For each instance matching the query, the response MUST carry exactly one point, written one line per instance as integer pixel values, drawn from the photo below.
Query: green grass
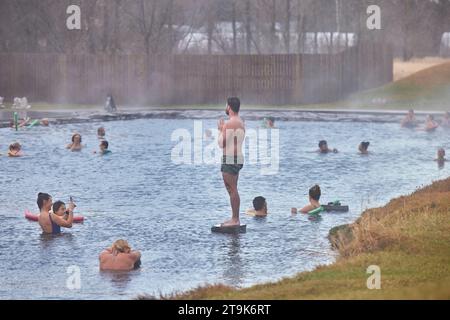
(409, 239)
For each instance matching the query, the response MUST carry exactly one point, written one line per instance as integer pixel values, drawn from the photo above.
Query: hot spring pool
(166, 210)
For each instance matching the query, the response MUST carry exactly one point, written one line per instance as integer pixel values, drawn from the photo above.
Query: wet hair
(315, 192)
(76, 134)
(258, 203)
(431, 117)
(105, 144)
(15, 146)
(121, 246)
(365, 145)
(322, 143)
(234, 103)
(57, 205)
(41, 198)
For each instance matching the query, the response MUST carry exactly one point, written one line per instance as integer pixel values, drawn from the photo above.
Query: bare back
(234, 138)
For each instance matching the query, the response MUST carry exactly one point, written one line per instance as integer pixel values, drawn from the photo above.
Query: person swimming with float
(119, 257)
(314, 197)
(104, 145)
(409, 121)
(15, 150)
(76, 143)
(363, 147)
(259, 208)
(323, 148)
(51, 222)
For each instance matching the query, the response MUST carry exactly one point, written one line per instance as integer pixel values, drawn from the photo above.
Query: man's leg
(231, 182)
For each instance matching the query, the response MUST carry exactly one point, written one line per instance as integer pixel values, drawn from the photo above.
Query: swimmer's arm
(307, 208)
(62, 222)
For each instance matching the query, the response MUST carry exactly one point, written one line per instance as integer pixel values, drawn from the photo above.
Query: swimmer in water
(409, 121)
(104, 145)
(430, 124)
(314, 197)
(101, 133)
(51, 223)
(15, 150)
(269, 123)
(259, 208)
(76, 143)
(44, 122)
(441, 160)
(119, 257)
(323, 148)
(446, 121)
(363, 147)
(208, 135)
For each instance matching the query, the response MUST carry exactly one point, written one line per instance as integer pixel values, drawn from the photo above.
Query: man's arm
(62, 222)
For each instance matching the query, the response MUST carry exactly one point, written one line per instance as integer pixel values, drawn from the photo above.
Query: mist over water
(166, 210)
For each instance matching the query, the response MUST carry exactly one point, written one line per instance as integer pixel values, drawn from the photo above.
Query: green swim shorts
(232, 165)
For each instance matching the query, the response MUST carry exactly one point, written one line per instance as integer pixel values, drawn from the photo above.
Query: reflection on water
(166, 210)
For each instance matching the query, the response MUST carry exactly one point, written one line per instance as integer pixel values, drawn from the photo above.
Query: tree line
(414, 28)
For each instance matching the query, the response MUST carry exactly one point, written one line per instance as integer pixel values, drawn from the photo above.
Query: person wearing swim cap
(231, 139)
(119, 257)
(259, 208)
(314, 197)
(363, 147)
(323, 147)
(51, 222)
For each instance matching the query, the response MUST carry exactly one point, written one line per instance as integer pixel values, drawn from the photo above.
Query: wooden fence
(194, 79)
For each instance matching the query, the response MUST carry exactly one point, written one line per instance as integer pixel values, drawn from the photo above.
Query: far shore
(63, 114)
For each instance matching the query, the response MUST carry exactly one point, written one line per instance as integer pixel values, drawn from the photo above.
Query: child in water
(314, 197)
(104, 145)
(15, 150)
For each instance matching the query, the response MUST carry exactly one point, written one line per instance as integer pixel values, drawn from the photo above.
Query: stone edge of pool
(324, 115)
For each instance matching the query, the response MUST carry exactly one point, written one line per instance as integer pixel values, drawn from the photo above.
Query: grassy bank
(409, 239)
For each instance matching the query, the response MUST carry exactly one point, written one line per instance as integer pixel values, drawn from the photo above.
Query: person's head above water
(323, 145)
(363, 146)
(430, 117)
(411, 112)
(315, 193)
(44, 201)
(101, 132)
(59, 208)
(121, 246)
(15, 146)
(260, 204)
(233, 105)
(104, 145)
(76, 138)
(441, 153)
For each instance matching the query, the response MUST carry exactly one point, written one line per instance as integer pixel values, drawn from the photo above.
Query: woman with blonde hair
(120, 257)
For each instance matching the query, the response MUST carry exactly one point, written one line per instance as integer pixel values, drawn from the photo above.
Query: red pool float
(35, 217)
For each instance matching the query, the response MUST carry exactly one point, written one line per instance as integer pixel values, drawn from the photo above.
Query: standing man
(231, 139)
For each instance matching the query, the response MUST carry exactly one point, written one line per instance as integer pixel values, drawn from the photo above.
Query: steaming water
(166, 210)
